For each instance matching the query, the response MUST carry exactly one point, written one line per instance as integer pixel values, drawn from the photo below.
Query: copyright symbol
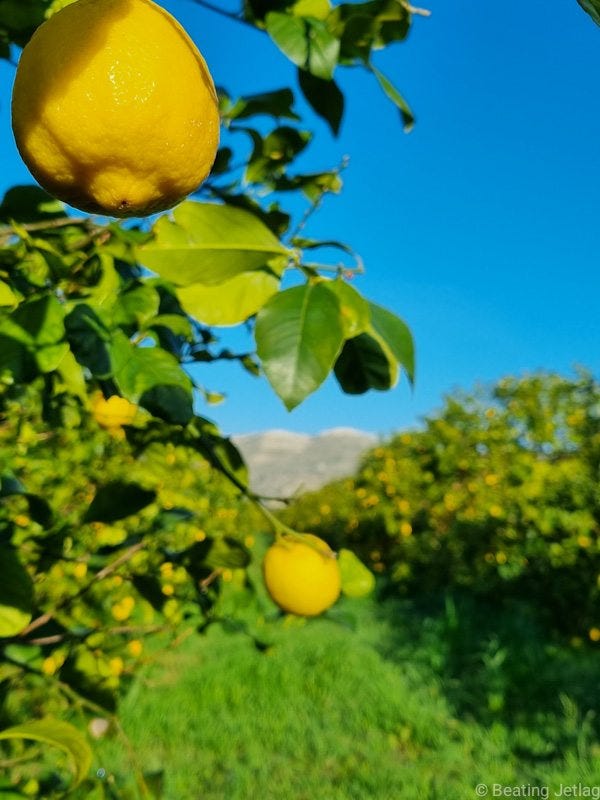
(481, 790)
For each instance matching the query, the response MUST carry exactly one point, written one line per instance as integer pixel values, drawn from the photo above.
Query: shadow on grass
(497, 663)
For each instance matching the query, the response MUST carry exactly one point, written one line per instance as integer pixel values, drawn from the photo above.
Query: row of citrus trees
(108, 536)
(498, 493)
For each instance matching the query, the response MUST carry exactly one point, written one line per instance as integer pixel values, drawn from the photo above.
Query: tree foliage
(109, 534)
(497, 494)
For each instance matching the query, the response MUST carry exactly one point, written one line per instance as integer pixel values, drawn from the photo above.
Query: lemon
(302, 579)
(114, 110)
(114, 412)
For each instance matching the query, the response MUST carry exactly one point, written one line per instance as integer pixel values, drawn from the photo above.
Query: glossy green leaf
(171, 403)
(306, 41)
(117, 500)
(138, 369)
(209, 243)
(593, 9)
(42, 320)
(271, 154)
(16, 593)
(178, 324)
(366, 362)
(231, 302)
(357, 580)
(276, 104)
(299, 334)
(28, 203)
(355, 313)
(396, 98)
(319, 9)
(89, 338)
(136, 307)
(56, 733)
(325, 98)
(397, 336)
(7, 296)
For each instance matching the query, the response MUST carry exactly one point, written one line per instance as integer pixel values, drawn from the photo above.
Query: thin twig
(103, 573)
(57, 222)
(419, 12)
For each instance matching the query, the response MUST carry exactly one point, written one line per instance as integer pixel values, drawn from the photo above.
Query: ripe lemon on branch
(114, 412)
(114, 110)
(302, 574)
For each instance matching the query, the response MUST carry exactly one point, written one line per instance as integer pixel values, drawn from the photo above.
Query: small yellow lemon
(114, 110)
(114, 412)
(302, 579)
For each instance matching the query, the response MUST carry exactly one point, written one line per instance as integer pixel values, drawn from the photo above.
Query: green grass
(407, 702)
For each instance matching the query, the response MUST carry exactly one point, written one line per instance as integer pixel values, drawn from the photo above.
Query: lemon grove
(124, 511)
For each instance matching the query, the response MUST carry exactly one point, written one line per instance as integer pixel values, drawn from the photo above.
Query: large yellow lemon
(301, 579)
(114, 109)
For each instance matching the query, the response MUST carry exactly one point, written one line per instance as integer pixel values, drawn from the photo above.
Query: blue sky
(480, 228)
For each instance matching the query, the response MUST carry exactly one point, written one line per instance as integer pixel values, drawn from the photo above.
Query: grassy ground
(379, 701)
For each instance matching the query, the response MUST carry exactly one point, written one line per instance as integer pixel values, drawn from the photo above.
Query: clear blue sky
(480, 228)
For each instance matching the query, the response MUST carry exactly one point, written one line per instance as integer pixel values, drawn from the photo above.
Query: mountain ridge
(286, 463)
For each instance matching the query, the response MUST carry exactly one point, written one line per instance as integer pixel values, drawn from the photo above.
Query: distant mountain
(283, 463)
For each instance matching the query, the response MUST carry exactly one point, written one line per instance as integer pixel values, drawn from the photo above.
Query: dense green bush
(498, 492)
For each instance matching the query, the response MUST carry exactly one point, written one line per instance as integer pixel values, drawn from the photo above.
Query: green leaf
(357, 580)
(178, 324)
(42, 319)
(209, 243)
(231, 302)
(397, 336)
(325, 98)
(355, 313)
(42, 328)
(593, 9)
(171, 403)
(136, 370)
(71, 375)
(28, 203)
(136, 307)
(116, 500)
(312, 8)
(396, 98)
(89, 338)
(366, 362)
(16, 593)
(299, 334)
(7, 296)
(306, 41)
(276, 104)
(274, 152)
(59, 734)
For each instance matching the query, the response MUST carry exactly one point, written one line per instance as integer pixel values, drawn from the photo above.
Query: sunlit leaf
(209, 243)
(299, 334)
(57, 733)
(306, 41)
(230, 302)
(397, 336)
(16, 593)
(396, 98)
